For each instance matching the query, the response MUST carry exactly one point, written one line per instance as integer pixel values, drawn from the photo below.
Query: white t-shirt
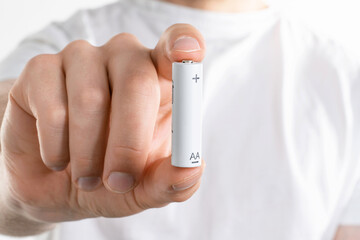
(281, 124)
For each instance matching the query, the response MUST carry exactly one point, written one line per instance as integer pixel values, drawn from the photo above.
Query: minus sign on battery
(195, 162)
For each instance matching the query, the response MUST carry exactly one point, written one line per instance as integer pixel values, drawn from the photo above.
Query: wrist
(13, 219)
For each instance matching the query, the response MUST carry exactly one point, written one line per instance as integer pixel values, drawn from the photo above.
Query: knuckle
(93, 99)
(79, 45)
(42, 61)
(121, 41)
(127, 36)
(143, 84)
(123, 37)
(79, 48)
(56, 117)
(127, 152)
(129, 158)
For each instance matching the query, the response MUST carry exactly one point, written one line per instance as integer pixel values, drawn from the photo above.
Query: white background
(19, 18)
(339, 19)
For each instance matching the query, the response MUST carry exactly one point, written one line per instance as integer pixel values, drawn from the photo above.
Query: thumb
(164, 183)
(179, 42)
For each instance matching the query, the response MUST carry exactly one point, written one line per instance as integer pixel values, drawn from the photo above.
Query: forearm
(11, 220)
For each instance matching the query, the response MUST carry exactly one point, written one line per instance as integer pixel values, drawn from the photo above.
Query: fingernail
(187, 183)
(88, 183)
(186, 44)
(120, 182)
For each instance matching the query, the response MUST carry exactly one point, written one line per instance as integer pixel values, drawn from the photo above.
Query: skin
(223, 5)
(110, 117)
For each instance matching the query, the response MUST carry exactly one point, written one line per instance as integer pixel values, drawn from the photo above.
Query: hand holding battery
(87, 131)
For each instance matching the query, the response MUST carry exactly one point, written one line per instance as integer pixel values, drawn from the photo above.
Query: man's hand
(86, 132)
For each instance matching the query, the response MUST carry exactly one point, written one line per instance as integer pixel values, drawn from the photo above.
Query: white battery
(187, 81)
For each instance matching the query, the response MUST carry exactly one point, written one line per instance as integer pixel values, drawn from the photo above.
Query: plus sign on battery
(196, 78)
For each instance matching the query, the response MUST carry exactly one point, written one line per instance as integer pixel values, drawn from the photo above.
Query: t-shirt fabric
(281, 129)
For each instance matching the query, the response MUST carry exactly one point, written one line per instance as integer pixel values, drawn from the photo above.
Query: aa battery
(187, 81)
